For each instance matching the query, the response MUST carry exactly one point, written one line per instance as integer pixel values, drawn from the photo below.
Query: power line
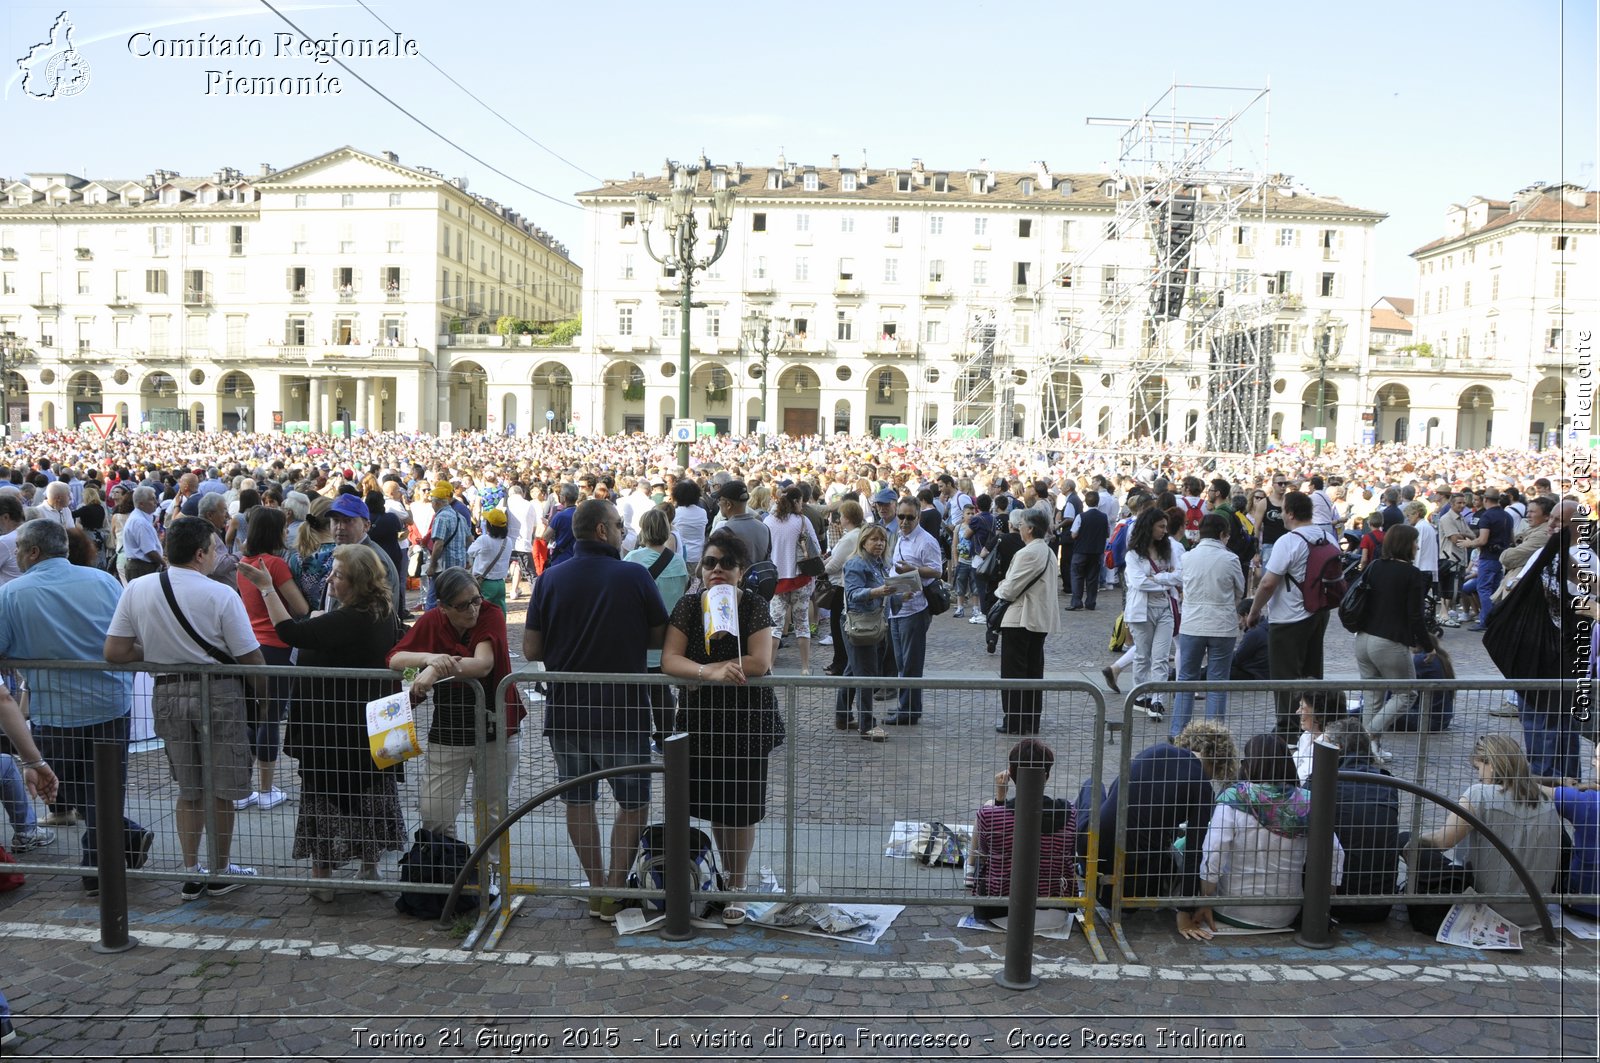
(512, 125)
(392, 103)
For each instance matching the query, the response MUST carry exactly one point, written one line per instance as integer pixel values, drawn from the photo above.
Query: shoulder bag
(172, 601)
(807, 563)
(997, 612)
(865, 629)
(505, 544)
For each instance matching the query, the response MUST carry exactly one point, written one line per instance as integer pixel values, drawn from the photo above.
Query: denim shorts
(582, 752)
(966, 580)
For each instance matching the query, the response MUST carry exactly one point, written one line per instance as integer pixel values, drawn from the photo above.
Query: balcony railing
(847, 288)
(298, 297)
(347, 297)
(937, 290)
(394, 295)
(889, 347)
(196, 297)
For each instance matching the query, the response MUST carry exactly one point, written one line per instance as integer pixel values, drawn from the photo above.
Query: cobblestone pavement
(265, 973)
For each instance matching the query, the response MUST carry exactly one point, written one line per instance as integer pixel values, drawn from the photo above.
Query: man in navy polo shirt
(1494, 538)
(597, 613)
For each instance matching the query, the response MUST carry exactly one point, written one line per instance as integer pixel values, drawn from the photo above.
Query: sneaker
(222, 889)
(139, 855)
(271, 799)
(1450, 621)
(877, 734)
(193, 890)
(1381, 753)
(27, 840)
(1155, 710)
(91, 888)
(8, 1033)
(605, 909)
(977, 618)
(65, 818)
(825, 640)
(957, 613)
(246, 802)
(1507, 709)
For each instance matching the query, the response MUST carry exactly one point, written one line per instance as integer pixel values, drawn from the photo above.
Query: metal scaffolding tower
(1164, 318)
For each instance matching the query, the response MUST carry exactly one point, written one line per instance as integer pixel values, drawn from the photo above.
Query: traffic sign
(104, 422)
(549, 415)
(683, 429)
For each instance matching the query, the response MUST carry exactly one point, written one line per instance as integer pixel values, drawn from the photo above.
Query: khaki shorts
(178, 711)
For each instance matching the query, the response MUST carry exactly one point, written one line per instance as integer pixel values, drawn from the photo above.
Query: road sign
(549, 415)
(104, 422)
(683, 429)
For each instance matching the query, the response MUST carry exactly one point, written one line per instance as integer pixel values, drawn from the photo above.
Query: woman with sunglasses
(459, 643)
(732, 726)
(864, 592)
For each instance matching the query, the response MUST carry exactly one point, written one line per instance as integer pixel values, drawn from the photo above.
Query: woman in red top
(262, 549)
(463, 640)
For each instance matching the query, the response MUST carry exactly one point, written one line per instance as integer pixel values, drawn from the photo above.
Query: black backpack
(435, 859)
(762, 578)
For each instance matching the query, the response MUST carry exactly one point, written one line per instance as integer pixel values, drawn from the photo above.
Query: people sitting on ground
(1170, 793)
(1512, 805)
(1255, 846)
(1318, 708)
(1367, 823)
(1579, 804)
(989, 870)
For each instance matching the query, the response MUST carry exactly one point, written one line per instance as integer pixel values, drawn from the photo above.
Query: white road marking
(713, 963)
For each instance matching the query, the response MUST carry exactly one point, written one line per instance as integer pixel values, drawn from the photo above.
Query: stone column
(362, 414)
(314, 403)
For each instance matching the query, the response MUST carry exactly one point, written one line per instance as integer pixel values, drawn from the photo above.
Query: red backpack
(1191, 519)
(1325, 586)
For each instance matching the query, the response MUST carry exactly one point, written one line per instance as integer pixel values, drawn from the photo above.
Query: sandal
(733, 915)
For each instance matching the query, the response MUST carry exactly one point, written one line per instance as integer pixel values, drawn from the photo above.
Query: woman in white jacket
(792, 603)
(1154, 576)
(1032, 616)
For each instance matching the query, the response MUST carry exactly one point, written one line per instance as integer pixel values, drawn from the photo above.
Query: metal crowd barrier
(842, 815)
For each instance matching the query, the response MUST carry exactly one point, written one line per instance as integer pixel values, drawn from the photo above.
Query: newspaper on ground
(860, 923)
(909, 840)
(1478, 926)
(1582, 927)
(1054, 923)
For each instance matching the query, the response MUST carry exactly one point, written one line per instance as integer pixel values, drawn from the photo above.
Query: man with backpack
(1294, 593)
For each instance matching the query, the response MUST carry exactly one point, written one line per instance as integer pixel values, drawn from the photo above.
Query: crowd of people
(406, 552)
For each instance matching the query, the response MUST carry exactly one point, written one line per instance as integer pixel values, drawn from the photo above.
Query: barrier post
(675, 847)
(1315, 932)
(1025, 831)
(110, 856)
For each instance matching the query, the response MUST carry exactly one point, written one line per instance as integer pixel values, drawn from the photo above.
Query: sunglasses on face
(907, 516)
(470, 603)
(726, 563)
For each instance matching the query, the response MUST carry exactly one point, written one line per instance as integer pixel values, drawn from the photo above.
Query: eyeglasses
(1259, 497)
(725, 563)
(468, 605)
(907, 516)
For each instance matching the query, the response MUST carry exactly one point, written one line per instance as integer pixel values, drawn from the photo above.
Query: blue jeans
(910, 648)
(1550, 735)
(14, 795)
(70, 751)
(1490, 572)
(1217, 650)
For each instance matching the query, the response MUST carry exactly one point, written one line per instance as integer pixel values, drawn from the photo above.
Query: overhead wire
(397, 106)
(482, 103)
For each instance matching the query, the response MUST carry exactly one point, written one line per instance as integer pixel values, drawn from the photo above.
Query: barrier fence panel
(267, 769)
(1251, 843)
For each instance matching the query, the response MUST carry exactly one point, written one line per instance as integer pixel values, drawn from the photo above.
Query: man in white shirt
(1213, 584)
(58, 506)
(519, 529)
(1294, 636)
(141, 546)
(146, 627)
(11, 518)
(914, 551)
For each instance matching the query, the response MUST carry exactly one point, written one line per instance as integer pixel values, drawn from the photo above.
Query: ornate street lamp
(682, 226)
(1328, 337)
(12, 353)
(761, 336)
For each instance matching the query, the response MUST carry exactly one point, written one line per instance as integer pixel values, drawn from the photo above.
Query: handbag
(828, 594)
(479, 577)
(938, 597)
(1353, 606)
(808, 563)
(865, 629)
(1520, 637)
(997, 611)
(984, 564)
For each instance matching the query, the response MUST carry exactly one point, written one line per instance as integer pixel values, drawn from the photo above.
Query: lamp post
(759, 334)
(1328, 335)
(682, 225)
(11, 353)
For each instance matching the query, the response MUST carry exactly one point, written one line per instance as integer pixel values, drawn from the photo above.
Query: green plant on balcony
(633, 392)
(83, 253)
(1419, 350)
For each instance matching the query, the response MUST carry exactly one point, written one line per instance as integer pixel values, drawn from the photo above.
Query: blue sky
(1401, 107)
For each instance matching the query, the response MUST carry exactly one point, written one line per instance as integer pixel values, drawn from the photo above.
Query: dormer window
(902, 182)
(719, 180)
(847, 182)
(941, 183)
(975, 184)
(774, 179)
(809, 181)
(1027, 186)
(1109, 189)
(169, 197)
(1065, 187)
